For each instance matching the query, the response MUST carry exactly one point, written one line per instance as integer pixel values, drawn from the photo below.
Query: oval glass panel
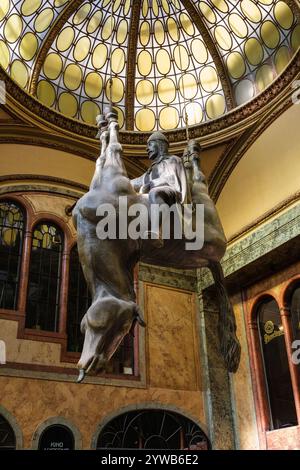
(116, 5)
(207, 12)
(223, 38)
(254, 51)
(65, 39)
(122, 31)
(145, 120)
(169, 118)
(19, 73)
(159, 32)
(145, 92)
(67, 104)
(127, 7)
(236, 65)
(181, 57)
(89, 111)
(163, 62)
(145, 8)
(72, 76)
(295, 41)
(188, 86)
(165, 6)
(270, 34)
(251, 11)
(116, 91)
(93, 85)
(215, 106)
(4, 55)
(82, 49)
(187, 24)
(120, 116)
(13, 28)
(30, 6)
(283, 15)
(264, 77)
(108, 28)
(53, 66)
(173, 29)
(144, 63)
(145, 33)
(244, 91)
(155, 7)
(194, 113)
(118, 60)
(209, 79)
(43, 20)
(238, 25)
(166, 90)
(82, 13)
(282, 59)
(4, 8)
(99, 56)
(46, 93)
(199, 51)
(28, 46)
(220, 5)
(94, 22)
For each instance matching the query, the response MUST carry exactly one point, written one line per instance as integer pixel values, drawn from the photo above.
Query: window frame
(32, 219)
(278, 291)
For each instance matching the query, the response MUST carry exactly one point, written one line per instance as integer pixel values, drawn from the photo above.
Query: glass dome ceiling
(167, 59)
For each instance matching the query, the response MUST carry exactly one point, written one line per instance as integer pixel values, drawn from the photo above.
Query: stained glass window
(79, 300)
(85, 62)
(11, 243)
(42, 309)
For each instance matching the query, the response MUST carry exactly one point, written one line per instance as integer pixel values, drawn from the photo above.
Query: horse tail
(230, 346)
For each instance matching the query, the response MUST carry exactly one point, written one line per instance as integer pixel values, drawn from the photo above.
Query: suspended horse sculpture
(108, 264)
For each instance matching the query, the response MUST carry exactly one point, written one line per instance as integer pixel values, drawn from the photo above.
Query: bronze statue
(108, 263)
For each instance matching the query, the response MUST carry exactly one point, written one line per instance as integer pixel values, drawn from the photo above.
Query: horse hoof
(81, 376)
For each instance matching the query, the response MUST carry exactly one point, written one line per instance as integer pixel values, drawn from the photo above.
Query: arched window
(57, 437)
(152, 429)
(12, 222)
(42, 309)
(79, 300)
(276, 367)
(295, 313)
(7, 435)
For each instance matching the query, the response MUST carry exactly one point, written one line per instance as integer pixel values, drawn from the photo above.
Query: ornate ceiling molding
(131, 64)
(50, 37)
(214, 52)
(239, 147)
(27, 108)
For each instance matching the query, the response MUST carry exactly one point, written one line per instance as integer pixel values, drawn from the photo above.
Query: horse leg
(100, 160)
(230, 346)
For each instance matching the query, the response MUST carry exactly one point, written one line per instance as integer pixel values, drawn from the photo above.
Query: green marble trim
(185, 279)
(260, 242)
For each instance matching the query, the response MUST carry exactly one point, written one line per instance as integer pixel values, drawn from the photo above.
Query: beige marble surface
(172, 344)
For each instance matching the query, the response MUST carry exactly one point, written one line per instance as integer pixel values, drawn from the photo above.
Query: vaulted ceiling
(160, 62)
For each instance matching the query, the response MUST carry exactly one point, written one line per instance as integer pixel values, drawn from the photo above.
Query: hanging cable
(110, 52)
(186, 118)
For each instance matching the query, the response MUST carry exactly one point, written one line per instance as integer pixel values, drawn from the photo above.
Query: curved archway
(62, 425)
(13, 434)
(151, 428)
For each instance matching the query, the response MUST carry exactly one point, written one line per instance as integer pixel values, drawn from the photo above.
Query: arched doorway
(152, 429)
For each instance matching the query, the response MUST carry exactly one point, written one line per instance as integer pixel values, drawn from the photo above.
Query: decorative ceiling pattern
(193, 60)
